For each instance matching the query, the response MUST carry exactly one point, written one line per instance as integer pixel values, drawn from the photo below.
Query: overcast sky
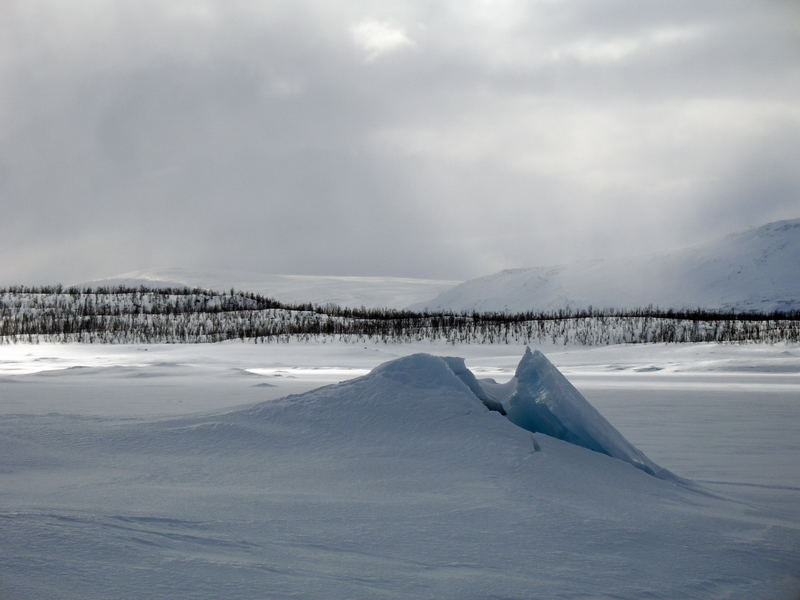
(443, 139)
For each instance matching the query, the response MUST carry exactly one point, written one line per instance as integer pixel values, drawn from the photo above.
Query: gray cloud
(423, 139)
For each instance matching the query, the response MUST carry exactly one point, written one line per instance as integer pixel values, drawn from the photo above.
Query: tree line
(31, 314)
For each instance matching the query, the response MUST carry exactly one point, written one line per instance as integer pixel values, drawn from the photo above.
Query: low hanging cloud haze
(430, 139)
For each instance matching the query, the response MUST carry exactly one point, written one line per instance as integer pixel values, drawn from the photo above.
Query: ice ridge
(540, 399)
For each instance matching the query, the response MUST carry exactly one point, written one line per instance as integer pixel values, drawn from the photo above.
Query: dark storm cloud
(428, 139)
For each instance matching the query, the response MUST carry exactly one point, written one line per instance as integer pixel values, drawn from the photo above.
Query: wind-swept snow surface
(755, 270)
(397, 484)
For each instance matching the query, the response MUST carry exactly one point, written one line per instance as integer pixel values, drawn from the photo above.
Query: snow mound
(419, 392)
(403, 399)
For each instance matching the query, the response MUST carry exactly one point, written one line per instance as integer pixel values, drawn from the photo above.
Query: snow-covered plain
(168, 471)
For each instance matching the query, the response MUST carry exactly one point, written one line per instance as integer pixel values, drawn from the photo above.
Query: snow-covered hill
(372, 292)
(398, 484)
(756, 270)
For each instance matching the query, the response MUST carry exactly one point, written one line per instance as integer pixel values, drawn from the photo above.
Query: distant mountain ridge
(753, 270)
(356, 291)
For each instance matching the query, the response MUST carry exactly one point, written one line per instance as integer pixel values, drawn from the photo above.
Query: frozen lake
(720, 431)
(724, 416)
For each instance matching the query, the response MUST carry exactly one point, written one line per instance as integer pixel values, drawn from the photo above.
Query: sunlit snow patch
(337, 373)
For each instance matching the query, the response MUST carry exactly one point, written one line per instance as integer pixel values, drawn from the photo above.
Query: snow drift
(538, 399)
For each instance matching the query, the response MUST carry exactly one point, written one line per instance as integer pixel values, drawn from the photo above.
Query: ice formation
(540, 399)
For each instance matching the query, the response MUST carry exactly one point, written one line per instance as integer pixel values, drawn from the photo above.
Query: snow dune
(397, 484)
